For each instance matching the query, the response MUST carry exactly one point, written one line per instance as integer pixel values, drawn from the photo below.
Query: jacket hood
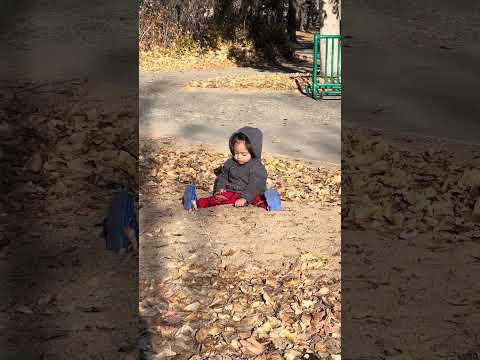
(255, 136)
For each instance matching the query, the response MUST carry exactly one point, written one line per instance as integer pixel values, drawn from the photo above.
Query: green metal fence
(327, 67)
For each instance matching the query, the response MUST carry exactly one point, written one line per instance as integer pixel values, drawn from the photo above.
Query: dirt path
(433, 50)
(294, 125)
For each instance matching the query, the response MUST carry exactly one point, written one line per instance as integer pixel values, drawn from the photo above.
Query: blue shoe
(189, 195)
(273, 200)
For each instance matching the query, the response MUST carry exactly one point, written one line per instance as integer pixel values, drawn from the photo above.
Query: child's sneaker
(273, 200)
(189, 196)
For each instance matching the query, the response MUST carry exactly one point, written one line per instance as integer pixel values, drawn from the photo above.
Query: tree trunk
(330, 25)
(330, 21)
(302, 14)
(292, 17)
(279, 11)
(223, 12)
(312, 15)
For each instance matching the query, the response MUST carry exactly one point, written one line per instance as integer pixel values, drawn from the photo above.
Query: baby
(243, 179)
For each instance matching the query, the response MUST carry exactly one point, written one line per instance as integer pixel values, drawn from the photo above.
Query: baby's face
(240, 153)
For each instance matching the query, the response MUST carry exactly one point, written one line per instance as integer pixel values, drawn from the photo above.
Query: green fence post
(316, 40)
(338, 62)
(325, 65)
(332, 81)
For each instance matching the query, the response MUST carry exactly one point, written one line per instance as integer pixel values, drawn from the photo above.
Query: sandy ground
(247, 235)
(239, 237)
(227, 238)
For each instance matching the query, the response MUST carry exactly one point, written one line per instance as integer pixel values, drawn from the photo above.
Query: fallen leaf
(24, 309)
(285, 333)
(310, 303)
(324, 291)
(292, 355)
(251, 347)
(192, 307)
(202, 335)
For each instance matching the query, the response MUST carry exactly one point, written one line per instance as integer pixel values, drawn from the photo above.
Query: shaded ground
(62, 291)
(62, 295)
(409, 247)
(405, 49)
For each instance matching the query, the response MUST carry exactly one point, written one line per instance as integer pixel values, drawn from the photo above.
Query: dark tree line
(266, 22)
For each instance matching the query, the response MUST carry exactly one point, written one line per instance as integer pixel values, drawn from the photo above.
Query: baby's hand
(219, 195)
(130, 234)
(240, 202)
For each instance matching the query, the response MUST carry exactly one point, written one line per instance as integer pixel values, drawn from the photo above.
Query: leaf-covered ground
(204, 313)
(64, 155)
(225, 55)
(278, 81)
(413, 191)
(410, 233)
(227, 283)
(167, 61)
(169, 169)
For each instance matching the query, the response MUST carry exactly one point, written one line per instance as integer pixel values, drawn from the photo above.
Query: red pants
(231, 197)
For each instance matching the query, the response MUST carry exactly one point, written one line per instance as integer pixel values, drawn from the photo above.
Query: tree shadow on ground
(295, 137)
(438, 112)
(300, 62)
(144, 341)
(45, 256)
(160, 251)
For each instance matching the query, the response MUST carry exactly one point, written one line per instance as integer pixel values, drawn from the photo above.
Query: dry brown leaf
(251, 347)
(192, 307)
(166, 331)
(214, 330)
(202, 335)
(292, 355)
(308, 303)
(324, 291)
(229, 252)
(263, 330)
(305, 320)
(295, 332)
(285, 333)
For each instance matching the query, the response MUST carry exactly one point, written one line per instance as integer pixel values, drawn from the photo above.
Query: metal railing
(327, 66)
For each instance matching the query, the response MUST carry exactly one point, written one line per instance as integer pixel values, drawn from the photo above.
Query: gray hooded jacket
(249, 179)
